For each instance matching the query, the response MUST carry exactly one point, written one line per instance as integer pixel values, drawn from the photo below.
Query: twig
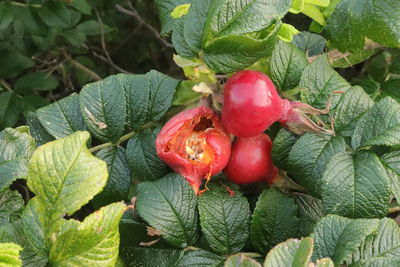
(135, 14)
(78, 65)
(6, 86)
(105, 145)
(103, 45)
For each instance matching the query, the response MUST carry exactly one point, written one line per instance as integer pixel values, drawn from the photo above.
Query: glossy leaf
(236, 52)
(103, 108)
(310, 43)
(62, 117)
(169, 205)
(286, 65)
(16, 147)
(244, 16)
(282, 146)
(352, 21)
(201, 258)
(380, 125)
(391, 161)
(274, 220)
(119, 176)
(353, 104)
(319, 81)
(356, 186)
(307, 163)
(37, 130)
(241, 260)
(143, 159)
(224, 218)
(310, 212)
(338, 237)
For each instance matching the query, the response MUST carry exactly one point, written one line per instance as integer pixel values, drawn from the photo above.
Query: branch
(103, 45)
(78, 65)
(135, 14)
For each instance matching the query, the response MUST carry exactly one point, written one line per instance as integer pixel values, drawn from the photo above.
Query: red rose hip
(251, 161)
(251, 104)
(194, 144)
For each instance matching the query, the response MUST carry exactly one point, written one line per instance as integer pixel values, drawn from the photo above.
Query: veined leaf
(65, 176)
(16, 147)
(169, 206)
(224, 218)
(201, 258)
(356, 186)
(11, 206)
(292, 252)
(9, 254)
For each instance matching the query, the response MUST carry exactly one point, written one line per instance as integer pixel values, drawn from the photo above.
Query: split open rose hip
(194, 144)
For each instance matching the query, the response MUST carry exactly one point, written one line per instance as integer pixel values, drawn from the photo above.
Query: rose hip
(251, 161)
(194, 144)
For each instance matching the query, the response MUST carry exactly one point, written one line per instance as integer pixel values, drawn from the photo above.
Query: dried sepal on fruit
(194, 144)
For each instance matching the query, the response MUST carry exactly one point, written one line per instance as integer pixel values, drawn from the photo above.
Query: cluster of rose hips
(197, 144)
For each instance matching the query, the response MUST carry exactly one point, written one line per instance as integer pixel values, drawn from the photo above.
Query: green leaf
(92, 27)
(103, 107)
(13, 62)
(178, 39)
(318, 81)
(82, 6)
(241, 260)
(297, 6)
(310, 212)
(338, 237)
(143, 159)
(56, 15)
(6, 15)
(180, 11)
(236, 52)
(148, 96)
(356, 186)
(119, 176)
(282, 146)
(40, 81)
(347, 61)
(165, 8)
(201, 258)
(9, 255)
(150, 257)
(244, 16)
(352, 21)
(325, 262)
(274, 220)
(380, 125)
(292, 252)
(14, 232)
(310, 43)
(16, 147)
(10, 109)
(353, 104)
(35, 221)
(37, 130)
(64, 175)
(287, 32)
(224, 218)
(307, 163)
(391, 161)
(62, 117)
(381, 250)
(33, 102)
(395, 65)
(94, 242)
(11, 206)
(75, 38)
(184, 94)
(169, 205)
(391, 88)
(286, 65)
(314, 13)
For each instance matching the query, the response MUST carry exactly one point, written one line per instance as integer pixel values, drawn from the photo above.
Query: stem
(6, 86)
(22, 4)
(105, 145)
(394, 209)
